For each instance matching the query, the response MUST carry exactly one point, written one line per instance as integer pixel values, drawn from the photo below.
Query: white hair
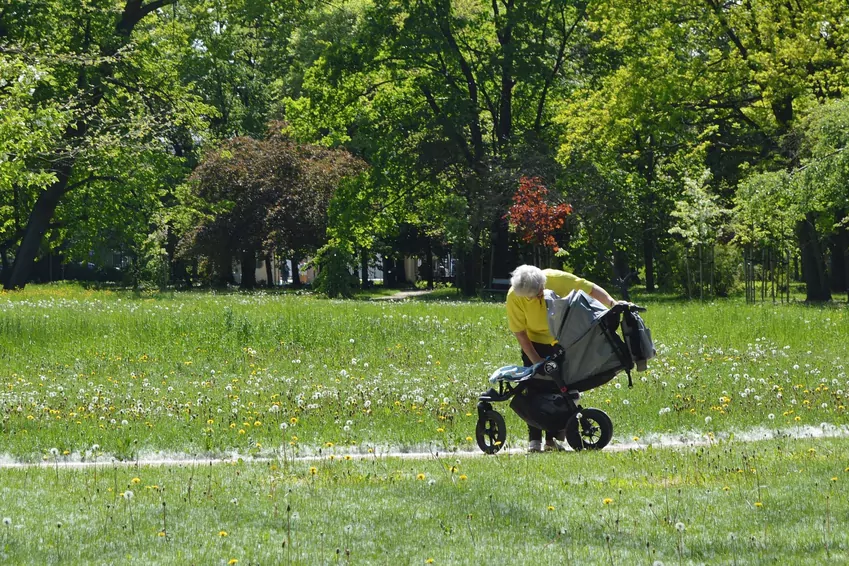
(527, 281)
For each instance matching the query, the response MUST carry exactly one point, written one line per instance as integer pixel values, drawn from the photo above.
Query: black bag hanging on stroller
(591, 354)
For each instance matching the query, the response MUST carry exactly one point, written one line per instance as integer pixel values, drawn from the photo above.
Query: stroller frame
(586, 428)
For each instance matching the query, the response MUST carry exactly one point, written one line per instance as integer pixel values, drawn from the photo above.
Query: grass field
(96, 375)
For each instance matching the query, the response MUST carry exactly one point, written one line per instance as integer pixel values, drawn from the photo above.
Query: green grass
(207, 373)
(732, 503)
(94, 375)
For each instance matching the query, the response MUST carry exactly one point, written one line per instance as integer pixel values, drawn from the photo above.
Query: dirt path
(661, 442)
(404, 295)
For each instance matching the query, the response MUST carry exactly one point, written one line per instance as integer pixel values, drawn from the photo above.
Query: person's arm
(602, 296)
(527, 346)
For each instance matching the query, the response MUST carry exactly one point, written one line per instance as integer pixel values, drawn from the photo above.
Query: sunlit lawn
(732, 503)
(95, 375)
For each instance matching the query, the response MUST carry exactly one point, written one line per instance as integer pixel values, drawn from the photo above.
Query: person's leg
(551, 436)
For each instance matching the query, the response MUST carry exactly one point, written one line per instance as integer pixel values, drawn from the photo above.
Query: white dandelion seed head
(431, 481)
(771, 416)
(7, 521)
(348, 529)
(54, 452)
(351, 340)
(679, 526)
(128, 495)
(708, 420)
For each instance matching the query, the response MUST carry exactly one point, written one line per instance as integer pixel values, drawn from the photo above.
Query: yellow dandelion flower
(233, 561)
(293, 420)
(257, 423)
(232, 425)
(758, 504)
(420, 477)
(636, 439)
(607, 501)
(726, 488)
(347, 456)
(797, 418)
(463, 477)
(429, 561)
(328, 444)
(551, 507)
(834, 478)
(241, 431)
(440, 429)
(161, 534)
(135, 480)
(812, 450)
(468, 439)
(210, 421)
(222, 533)
(313, 470)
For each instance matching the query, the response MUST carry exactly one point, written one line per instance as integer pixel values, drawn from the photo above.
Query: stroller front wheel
(593, 431)
(491, 432)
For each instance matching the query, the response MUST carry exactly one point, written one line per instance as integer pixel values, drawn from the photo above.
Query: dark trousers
(540, 386)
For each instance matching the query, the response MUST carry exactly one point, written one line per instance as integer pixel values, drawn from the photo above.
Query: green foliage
(334, 262)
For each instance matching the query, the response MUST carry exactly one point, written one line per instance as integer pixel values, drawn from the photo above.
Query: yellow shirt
(529, 314)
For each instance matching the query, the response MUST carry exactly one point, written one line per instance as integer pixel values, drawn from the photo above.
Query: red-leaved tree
(533, 218)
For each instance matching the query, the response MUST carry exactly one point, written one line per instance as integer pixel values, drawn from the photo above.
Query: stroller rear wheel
(592, 431)
(491, 431)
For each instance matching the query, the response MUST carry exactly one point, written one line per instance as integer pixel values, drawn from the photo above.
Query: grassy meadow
(317, 388)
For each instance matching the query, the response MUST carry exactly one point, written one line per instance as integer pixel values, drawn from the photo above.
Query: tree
(453, 100)
(535, 220)
(100, 73)
(260, 198)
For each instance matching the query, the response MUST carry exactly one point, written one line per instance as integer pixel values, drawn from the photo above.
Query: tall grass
(212, 373)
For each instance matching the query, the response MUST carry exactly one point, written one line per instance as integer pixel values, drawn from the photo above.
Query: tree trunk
(648, 258)
(428, 263)
(839, 243)
(269, 272)
(471, 269)
(39, 220)
(248, 261)
(364, 268)
(813, 264)
(296, 273)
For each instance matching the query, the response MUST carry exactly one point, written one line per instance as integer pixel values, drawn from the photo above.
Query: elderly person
(527, 319)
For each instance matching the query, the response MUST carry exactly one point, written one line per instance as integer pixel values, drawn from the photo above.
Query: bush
(334, 277)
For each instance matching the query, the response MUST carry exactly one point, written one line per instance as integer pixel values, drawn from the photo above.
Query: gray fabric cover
(574, 321)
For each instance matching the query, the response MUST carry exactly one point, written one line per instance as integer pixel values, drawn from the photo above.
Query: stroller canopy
(586, 330)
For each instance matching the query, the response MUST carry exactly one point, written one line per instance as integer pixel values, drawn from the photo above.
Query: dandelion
(657, 563)
(348, 529)
(54, 452)
(429, 561)
(420, 477)
(431, 481)
(234, 501)
(551, 507)
(222, 533)
(834, 478)
(680, 527)
(463, 477)
(128, 495)
(636, 439)
(440, 429)
(758, 504)
(607, 501)
(235, 560)
(7, 521)
(313, 470)
(708, 420)
(135, 480)
(771, 417)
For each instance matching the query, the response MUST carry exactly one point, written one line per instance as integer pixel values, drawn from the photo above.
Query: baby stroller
(591, 353)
